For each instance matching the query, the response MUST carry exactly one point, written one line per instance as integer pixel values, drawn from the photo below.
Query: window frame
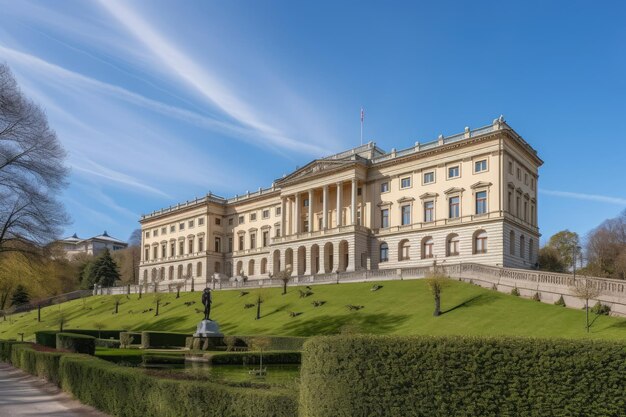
(409, 185)
(424, 182)
(384, 215)
(458, 169)
(384, 184)
(481, 161)
(405, 209)
(456, 198)
(479, 200)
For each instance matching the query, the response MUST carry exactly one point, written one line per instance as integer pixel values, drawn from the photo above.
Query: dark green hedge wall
(455, 376)
(253, 358)
(150, 340)
(129, 392)
(76, 343)
(101, 334)
(46, 338)
(108, 343)
(278, 342)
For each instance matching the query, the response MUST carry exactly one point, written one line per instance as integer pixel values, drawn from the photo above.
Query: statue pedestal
(208, 328)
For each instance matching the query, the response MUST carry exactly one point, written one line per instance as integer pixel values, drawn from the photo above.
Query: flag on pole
(362, 114)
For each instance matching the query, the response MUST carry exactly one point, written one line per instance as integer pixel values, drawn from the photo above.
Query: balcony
(319, 233)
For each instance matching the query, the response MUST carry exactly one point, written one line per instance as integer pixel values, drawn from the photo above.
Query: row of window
(179, 226)
(479, 246)
(454, 210)
(428, 177)
(521, 209)
(265, 214)
(527, 178)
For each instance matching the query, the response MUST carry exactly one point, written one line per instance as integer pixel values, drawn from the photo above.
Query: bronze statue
(206, 300)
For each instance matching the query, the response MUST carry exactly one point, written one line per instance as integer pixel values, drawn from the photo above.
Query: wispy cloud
(202, 80)
(584, 196)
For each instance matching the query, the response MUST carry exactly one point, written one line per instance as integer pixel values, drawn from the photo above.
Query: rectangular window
(218, 245)
(163, 230)
(518, 208)
(532, 214)
(428, 248)
(532, 183)
(190, 245)
(359, 191)
(306, 226)
(510, 167)
(201, 244)
(155, 252)
(230, 244)
(278, 211)
(218, 221)
(519, 174)
(172, 228)
(278, 232)
(241, 220)
(429, 211)
(252, 217)
(510, 202)
(230, 221)
(181, 247)
(146, 254)
(201, 221)
(429, 177)
(384, 187)
(172, 249)
(148, 233)
(181, 226)
(525, 178)
(525, 210)
(240, 242)
(406, 214)
(191, 223)
(481, 202)
(266, 238)
(384, 218)
(252, 240)
(454, 211)
(405, 182)
(155, 233)
(480, 166)
(305, 202)
(266, 214)
(453, 172)
(164, 251)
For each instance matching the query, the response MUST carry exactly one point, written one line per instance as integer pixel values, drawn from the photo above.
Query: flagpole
(362, 116)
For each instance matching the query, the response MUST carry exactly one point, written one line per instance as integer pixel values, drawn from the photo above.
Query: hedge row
(151, 340)
(46, 338)
(277, 342)
(253, 358)
(108, 343)
(129, 392)
(285, 343)
(455, 376)
(76, 343)
(100, 334)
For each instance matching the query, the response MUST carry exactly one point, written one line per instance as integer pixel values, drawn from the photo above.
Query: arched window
(199, 269)
(251, 267)
(522, 247)
(189, 270)
(427, 247)
(264, 266)
(384, 252)
(452, 245)
(145, 276)
(153, 274)
(403, 250)
(512, 243)
(171, 272)
(480, 242)
(180, 272)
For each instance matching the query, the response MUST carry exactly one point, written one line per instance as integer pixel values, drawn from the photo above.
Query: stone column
(283, 216)
(311, 223)
(339, 195)
(298, 219)
(335, 257)
(325, 207)
(353, 207)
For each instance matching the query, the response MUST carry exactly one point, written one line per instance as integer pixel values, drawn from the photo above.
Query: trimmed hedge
(151, 340)
(130, 392)
(152, 359)
(135, 337)
(46, 338)
(277, 342)
(253, 358)
(100, 334)
(42, 364)
(361, 375)
(76, 343)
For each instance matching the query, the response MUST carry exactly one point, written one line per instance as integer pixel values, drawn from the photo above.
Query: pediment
(316, 167)
(384, 203)
(481, 184)
(454, 190)
(429, 195)
(405, 199)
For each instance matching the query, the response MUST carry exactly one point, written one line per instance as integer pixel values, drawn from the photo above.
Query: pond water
(276, 375)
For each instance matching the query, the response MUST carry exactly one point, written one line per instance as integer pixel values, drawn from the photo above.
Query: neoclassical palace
(470, 197)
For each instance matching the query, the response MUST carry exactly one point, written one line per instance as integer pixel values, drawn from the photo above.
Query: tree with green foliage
(565, 244)
(20, 296)
(284, 276)
(436, 281)
(102, 271)
(550, 260)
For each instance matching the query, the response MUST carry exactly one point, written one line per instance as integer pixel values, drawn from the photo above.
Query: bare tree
(284, 276)
(436, 281)
(31, 171)
(586, 289)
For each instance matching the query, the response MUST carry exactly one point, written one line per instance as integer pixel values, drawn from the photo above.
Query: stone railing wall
(550, 286)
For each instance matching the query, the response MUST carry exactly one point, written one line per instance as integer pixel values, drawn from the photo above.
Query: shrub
(151, 340)
(560, 302)
(536, 297)
(77, 343)
(455, 376)
(601, 309)
(515, 292)
(252, 358)
(108, 343)
(129, 338)
(46, 338)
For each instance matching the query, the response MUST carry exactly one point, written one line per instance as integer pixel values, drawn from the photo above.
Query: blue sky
(161, 101)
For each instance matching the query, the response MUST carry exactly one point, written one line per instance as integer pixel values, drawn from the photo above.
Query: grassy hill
(400, 307)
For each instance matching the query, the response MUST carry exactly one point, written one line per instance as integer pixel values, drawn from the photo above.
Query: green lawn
(400, 307)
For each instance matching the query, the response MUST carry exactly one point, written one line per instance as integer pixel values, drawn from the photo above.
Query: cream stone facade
(470, 197)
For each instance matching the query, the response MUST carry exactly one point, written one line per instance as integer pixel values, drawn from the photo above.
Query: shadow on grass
(476, 301)
(324, 325)
(163, 324)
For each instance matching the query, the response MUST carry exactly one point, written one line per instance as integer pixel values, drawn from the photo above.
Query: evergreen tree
(20, 296)
(105, 270)
(88, 278)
